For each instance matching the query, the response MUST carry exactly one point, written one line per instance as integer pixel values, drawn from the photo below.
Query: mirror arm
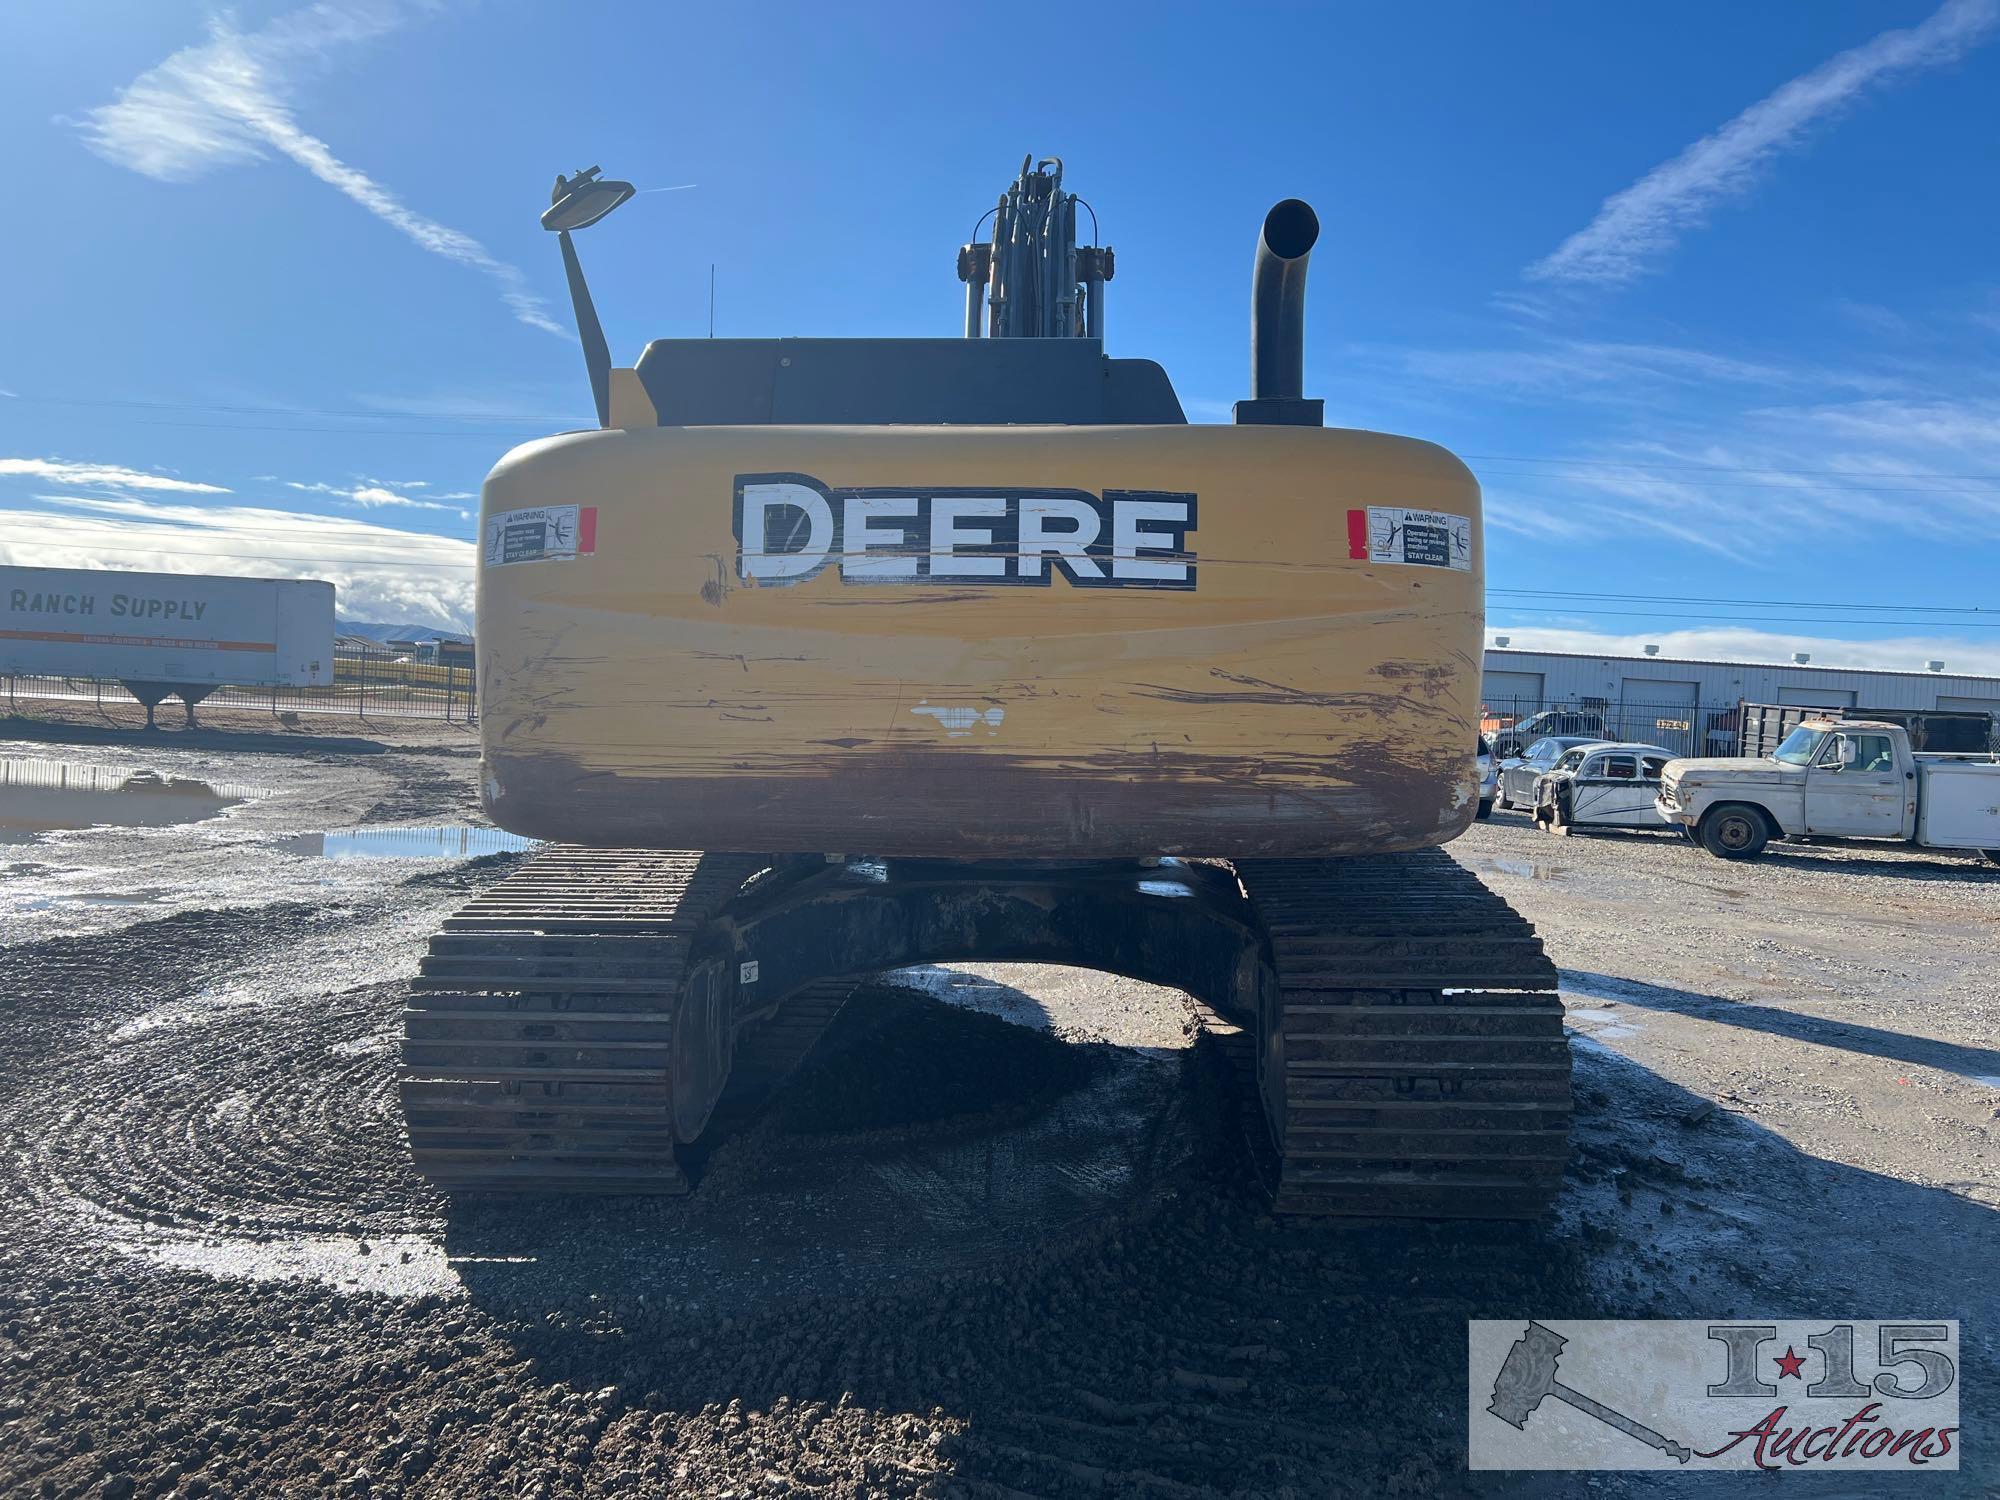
(596, 352)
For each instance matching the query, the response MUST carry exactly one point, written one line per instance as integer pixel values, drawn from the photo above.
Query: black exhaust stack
(1278, 322)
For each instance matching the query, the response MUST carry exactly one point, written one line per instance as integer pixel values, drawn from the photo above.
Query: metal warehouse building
(1690, 706)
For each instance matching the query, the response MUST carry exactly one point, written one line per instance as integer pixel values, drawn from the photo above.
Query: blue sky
(1705, 293)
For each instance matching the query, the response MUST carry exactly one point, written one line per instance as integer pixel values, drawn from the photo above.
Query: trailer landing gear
(153, 694)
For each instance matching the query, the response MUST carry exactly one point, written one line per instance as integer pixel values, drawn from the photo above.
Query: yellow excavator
(820, 657)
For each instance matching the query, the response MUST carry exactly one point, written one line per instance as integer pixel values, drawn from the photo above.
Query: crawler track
(1394, 1024)
(1409, 1044)
(537, 1051)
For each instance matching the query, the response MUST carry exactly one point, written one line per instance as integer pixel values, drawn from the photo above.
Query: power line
(1801, 490)
(328, 562)
(1742, 619)
(366, 413)
(391, 539)
(379, 432)
(1949, 609)
(582, 420)
(1616, 463)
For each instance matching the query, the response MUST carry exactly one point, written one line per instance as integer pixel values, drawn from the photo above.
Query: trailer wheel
(1734, 831)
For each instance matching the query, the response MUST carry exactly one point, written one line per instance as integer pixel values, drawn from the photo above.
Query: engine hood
(1729, 768)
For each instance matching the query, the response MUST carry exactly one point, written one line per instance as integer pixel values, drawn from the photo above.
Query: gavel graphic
(1528, 1374)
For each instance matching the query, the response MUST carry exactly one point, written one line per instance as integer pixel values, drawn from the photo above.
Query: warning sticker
(547, 533)
(1398, 534)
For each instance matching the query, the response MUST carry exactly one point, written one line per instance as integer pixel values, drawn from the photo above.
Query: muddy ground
(998, 1242)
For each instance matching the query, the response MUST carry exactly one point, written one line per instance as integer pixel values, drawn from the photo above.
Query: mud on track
(962, 1257)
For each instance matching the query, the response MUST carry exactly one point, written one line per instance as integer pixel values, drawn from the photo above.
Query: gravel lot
(996, 1243)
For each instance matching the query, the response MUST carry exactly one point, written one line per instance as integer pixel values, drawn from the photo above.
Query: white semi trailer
(161, 634)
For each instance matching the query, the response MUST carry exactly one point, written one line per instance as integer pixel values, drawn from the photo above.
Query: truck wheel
(1485, 808)
(1733, 831)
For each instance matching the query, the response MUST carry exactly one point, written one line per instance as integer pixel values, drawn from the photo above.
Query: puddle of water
(1991, 1083)
(196, 1010)
(1602, 1022)
(42, 796)
(401, 1265)
(455, 842)
(1527, 869)
(93, 898)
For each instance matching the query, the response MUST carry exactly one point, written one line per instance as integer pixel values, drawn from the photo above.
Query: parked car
(1518, 774)
(1572, 723)
(1601, 786)
(1847, 778)
(1489, 776)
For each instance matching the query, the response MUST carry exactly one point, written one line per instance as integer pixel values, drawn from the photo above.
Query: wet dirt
(998, 1240)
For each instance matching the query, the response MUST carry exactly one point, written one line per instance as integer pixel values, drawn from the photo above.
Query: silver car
(1518, 774)
(1602, 786)
(1489, 776)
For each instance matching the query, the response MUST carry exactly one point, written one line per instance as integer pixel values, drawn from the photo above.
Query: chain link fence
(367, 684)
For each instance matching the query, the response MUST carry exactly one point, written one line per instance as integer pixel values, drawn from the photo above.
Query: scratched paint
(1293, 701)
(961, 720)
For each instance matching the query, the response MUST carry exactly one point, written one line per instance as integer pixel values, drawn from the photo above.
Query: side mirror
(1849, 752)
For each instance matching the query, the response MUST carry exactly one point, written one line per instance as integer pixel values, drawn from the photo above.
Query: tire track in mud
(215, 1089)
(255, 1120)
(227, 1072)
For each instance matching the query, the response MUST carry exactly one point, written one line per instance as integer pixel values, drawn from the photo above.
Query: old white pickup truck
(1855, 778)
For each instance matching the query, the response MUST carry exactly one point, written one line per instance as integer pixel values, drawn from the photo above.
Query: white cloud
(535, 404)
(1961, 657)
(1873, 317)
(1965, 426)
(379, 572)
(1579, 368)
(224, 103)
(373, 495)
(61, 471)
(1538, 368)
(1636, 228)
